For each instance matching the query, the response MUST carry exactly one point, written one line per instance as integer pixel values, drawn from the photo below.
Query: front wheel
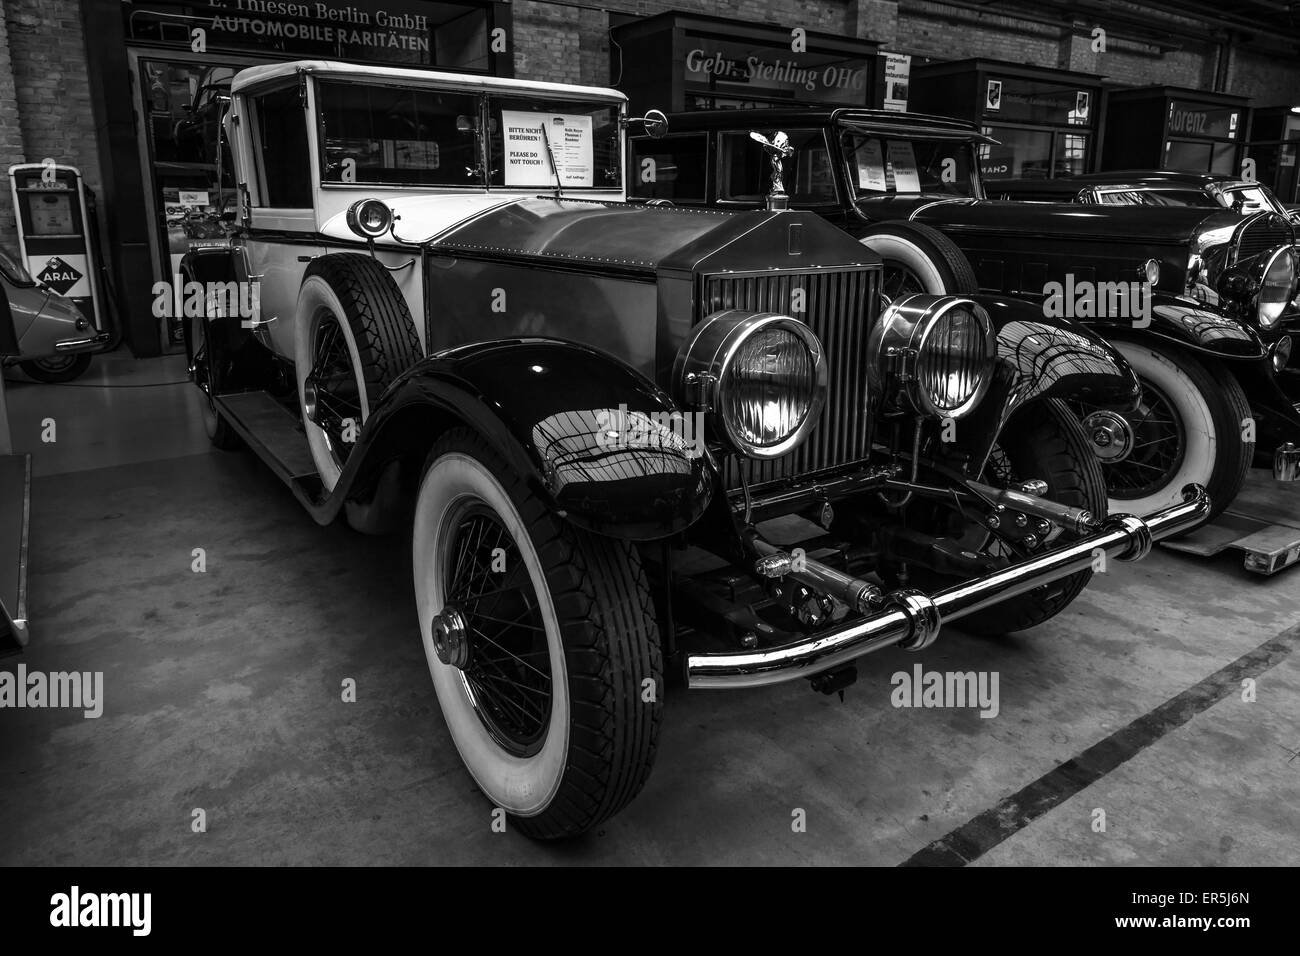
(57, 368)
(1190, 426)
(541, 642)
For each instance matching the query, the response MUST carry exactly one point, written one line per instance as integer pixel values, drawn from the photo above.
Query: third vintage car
(1197, 299)
(627, 441)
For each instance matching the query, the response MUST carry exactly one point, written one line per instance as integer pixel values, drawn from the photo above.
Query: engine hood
(624, 237)
(1147, 224)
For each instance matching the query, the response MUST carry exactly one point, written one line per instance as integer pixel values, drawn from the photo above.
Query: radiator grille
(839, 307)
(1260, 235)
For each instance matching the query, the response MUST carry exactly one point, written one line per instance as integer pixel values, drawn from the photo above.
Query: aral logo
(58, 275)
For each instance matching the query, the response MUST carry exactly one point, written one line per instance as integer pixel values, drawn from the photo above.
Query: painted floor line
(982, 833)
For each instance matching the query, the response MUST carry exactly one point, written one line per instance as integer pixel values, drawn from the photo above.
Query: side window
(673, 167)
(745, 168)
(282, 139)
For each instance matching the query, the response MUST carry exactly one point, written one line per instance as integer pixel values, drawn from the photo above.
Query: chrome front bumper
(81, 343)
(1286, 463)
(911, 619)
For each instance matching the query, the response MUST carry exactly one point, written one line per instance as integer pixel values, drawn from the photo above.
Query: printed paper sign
(993, 96)
(193, 198)
(871, 166)
(903, 163)
(528, 158)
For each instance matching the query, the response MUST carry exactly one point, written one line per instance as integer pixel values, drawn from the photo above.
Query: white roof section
(269, 73)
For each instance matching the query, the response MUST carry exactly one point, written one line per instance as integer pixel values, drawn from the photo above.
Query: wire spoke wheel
(1157, 446)
(507, 672)
(334, 387)
(899, 280)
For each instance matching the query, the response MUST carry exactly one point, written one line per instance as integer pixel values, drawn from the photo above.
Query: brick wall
(11, 132)
(568, 42)
(51, 92)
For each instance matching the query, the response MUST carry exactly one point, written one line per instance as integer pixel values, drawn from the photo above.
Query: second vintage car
(627, 440)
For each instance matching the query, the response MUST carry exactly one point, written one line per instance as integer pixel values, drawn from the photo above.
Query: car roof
(877, 121)
(272, 73)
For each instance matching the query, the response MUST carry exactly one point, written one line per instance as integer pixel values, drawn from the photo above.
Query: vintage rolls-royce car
(1198, 300)
(1146, 187)
(627, 440)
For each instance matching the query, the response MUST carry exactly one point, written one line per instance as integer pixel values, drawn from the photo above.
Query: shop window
(745, 169)
(282, 136)
(670, 168)
(390, 135)
(1187, 156)
(1071, 154)
(1019, 153)
(910, 167)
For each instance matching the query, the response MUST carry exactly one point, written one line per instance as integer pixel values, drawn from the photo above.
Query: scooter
(55, 340)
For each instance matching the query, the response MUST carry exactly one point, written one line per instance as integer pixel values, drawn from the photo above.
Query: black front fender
(1040, 357)
(1196, 327)
(599, 442)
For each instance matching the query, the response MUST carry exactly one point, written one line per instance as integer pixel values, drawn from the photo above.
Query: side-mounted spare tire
(354, 337)
(919, 258)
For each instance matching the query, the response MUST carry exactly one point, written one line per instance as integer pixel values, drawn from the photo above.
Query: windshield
(13, 271)
(532, 138)
(880, 166)
(384, 135)
(1156, 197)
(1251, 199)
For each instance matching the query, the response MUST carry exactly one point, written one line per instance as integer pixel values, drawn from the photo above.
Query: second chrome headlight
(938, 350)
(760, 376)
(1276, 287)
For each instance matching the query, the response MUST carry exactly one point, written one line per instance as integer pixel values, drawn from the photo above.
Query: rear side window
(282, 141)
(673, 167)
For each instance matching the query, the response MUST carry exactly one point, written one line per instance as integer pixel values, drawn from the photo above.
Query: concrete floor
(223, 693)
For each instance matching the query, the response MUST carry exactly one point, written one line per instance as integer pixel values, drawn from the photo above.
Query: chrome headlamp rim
(700, 374)
(357, 221)
(1285, 254)
(911, 320)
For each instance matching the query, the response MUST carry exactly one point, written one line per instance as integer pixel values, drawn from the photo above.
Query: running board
(275, 436)
(1267, 546)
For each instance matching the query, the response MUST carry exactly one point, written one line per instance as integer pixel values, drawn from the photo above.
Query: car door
(280, 228)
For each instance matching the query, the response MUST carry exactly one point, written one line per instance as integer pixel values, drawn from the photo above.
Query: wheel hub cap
(1111, 435)
(309, 400)
(451, 638)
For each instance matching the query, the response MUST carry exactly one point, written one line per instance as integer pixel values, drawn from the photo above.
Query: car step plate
(1268, 546)
(272, 431)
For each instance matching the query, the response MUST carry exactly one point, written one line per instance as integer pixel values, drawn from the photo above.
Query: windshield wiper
(559, 186)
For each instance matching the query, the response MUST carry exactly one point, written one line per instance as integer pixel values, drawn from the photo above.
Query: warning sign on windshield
(531, 139)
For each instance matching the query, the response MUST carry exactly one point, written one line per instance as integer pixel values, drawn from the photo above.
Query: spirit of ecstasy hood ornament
(778, 149)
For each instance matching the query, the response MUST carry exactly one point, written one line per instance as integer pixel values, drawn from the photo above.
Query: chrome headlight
(939, 350)
(369, 218)
(760, 376)
(1276, 287)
